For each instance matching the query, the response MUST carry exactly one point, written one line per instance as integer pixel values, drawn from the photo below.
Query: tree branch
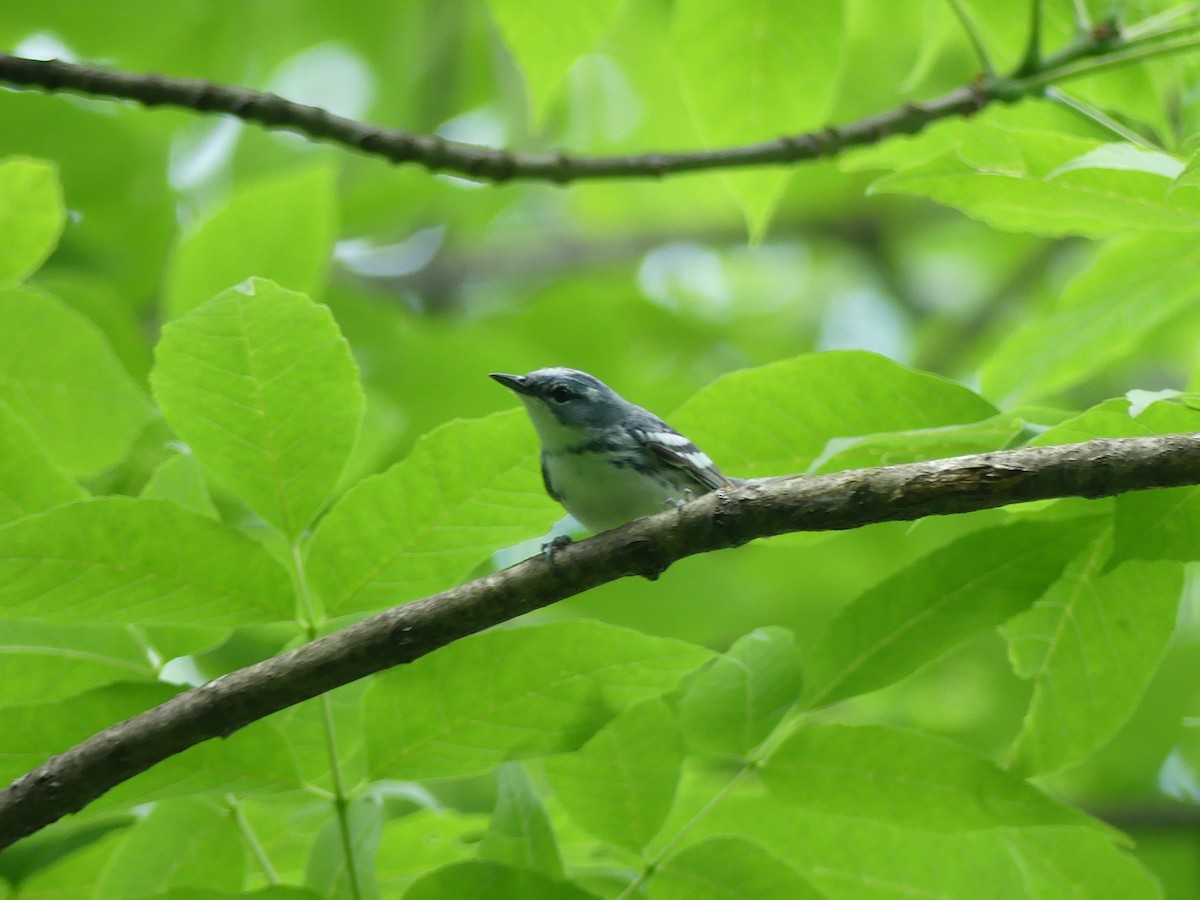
(488, 164)
(725, 518)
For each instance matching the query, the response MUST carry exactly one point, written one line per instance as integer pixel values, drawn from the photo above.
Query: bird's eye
(561, 394)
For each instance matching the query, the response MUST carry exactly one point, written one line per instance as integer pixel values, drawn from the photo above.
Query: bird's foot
(553, 546)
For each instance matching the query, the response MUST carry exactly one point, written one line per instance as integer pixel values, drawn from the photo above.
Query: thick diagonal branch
(69, 781)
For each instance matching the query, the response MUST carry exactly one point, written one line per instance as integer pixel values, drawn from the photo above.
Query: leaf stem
(649, 868)
(251, 839)
(329, 727)
(973, 35)
(1100, 118)
(1032, 60)
(1093, 65)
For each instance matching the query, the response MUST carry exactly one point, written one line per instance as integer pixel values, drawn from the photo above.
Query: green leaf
(850, 856)
(181, 842)
(261, 385)
(780, 418)
(486, 880)
(427, 839)
(466, 490)
(456, 712)
(29, 481)
(32, 216)
(281, 228)
(1124, 157)
(1038, 190)
(520, 833)
(898, 447)
(547, 37)
(59, 377)
(117, 559)
(728, 868)
(179, 479)
(1132, 289)
(1090, 646)
(929, 606)
(41, 662)
(621, 783)
(735, 703)
(906, 779)
(1160, 524)
(738, 65)
(329, 872)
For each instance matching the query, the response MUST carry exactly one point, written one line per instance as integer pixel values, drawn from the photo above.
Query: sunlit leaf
(1090, 647)
(465, 491)
(32, 216)
(117, 559)
(281, 228)
(29, 481)
(780, 418)
(520, 833)
(728, 868)
(904, 778)
(514, 693)
(731, 706)
(621, 783)
(917, 614)
(261, 385)
(59, 378)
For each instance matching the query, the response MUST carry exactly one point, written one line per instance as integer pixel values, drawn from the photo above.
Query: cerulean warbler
(603, 458)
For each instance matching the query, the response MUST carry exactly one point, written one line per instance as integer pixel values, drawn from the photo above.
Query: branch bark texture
(727, 518)
(496, 165)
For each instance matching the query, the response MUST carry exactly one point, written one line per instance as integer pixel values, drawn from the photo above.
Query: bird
(606, 460)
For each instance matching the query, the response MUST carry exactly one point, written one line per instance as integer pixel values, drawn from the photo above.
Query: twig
(973, 35)
(489, 164)
(725, 518)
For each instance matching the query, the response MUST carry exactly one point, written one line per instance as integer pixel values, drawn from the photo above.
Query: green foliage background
(243, 402)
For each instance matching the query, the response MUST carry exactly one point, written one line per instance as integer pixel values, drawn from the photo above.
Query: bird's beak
(515, 383)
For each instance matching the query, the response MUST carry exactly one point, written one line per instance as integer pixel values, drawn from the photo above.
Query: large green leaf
(148, 562)
(548, 36)
(917, 614)
(1090, 646)
(731, 706)
(904, 778)
(848, 856)
(621, 783)
(780, 418)
(32, 216)
(466, 490)
(487, 880)
(281, 228)
(514, 693)
(59, 377)
(347, 844)
(29, 481)
(520, 833)
(738, 65)
(1049, 183)
(1132, 288)
(728, 868)
(42, 662)
(261, 385)
(180, 843)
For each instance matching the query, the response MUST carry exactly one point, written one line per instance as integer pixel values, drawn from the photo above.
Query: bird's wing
(672, 447)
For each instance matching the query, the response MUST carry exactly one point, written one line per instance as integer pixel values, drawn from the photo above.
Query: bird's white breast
(602, 495)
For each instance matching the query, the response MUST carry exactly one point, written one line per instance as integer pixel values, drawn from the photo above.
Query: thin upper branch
(725, 518)
(489, 164)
